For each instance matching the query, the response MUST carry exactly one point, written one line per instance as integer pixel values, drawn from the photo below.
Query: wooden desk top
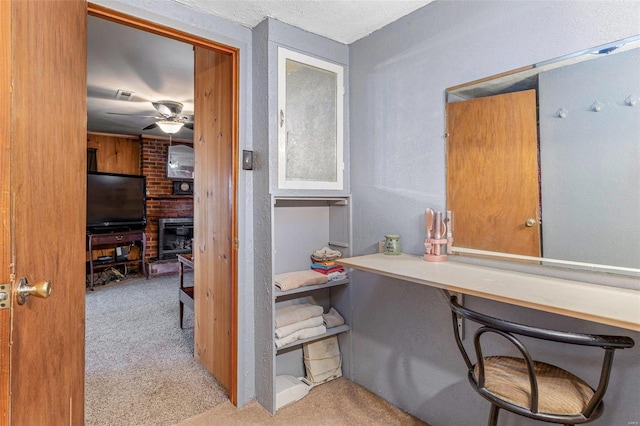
(607, 305)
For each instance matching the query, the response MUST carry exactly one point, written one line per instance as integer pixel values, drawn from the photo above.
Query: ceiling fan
(170, 121)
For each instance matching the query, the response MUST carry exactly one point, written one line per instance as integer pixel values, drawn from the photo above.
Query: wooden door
(492, 173)
(214, 224)
(42, 201)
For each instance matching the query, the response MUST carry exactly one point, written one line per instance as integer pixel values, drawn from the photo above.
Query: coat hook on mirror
(631, 100)
(596, 106)
(561, 113)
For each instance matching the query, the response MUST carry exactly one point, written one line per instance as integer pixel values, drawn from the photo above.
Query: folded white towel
(335, 276)
(296, 313)
(292, 328)
(333, 318)
(305, 333)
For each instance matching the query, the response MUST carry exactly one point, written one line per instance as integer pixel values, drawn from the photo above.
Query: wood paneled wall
(116, 153)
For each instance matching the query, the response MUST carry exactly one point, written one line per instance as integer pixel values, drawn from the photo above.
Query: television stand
(113, 240)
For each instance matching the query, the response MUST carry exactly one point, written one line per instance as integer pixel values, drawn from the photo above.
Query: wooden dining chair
(531, 388)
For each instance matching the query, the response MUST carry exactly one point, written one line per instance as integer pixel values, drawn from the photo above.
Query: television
(115, 202)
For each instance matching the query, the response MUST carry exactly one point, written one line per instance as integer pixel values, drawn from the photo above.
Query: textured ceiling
(340, 20)
(158, 68)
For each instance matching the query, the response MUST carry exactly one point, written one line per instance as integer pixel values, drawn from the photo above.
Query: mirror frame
(525, 73)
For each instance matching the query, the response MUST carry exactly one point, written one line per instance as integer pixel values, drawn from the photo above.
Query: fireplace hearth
(175, 236)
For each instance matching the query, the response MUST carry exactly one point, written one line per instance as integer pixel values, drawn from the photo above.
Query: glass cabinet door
(310, 122)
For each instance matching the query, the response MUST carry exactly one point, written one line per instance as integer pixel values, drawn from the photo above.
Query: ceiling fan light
(170, 126)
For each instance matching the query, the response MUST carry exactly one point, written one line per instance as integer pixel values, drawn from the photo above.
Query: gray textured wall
(263, 126)
(403, 347)
(590, 161)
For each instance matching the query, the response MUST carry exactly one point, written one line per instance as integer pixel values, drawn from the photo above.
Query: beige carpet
(140, 368)
(339, 402)
(140, 371)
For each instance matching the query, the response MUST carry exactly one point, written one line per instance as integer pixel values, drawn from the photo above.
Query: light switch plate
(247, 160)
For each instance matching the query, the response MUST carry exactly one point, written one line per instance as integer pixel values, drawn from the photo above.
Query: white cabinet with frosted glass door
(310, 123)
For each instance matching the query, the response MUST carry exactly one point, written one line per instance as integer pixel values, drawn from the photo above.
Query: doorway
(216, 69)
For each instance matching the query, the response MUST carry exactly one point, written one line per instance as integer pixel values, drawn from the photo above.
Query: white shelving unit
(307, 289)
(302, 225)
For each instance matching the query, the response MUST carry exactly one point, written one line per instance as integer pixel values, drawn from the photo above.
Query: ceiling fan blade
(151, 126)
(133, 115)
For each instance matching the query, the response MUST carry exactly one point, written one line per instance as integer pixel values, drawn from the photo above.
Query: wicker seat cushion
(559, 392)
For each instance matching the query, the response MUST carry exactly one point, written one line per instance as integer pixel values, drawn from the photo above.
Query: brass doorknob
(530, 222)
(41, 290)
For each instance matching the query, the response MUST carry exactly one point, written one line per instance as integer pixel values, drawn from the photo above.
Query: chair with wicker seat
(531, 388)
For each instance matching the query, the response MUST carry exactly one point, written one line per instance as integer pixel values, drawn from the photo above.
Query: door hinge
(236, 243)
(5, 296)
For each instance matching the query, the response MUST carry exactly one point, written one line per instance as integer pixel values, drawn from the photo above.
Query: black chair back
(505, 368)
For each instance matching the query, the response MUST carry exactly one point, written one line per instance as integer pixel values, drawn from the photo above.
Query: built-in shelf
(301, 225)
(330, 332)
(305, 289)
(281, 200)
(339, 244)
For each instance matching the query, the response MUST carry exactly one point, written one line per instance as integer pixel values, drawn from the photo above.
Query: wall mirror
(310, 122)
(180, 162)
(569, 131)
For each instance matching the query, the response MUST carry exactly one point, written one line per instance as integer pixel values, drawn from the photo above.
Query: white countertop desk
(607, 305)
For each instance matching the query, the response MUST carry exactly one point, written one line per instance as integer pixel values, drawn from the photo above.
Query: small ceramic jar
(392, 245)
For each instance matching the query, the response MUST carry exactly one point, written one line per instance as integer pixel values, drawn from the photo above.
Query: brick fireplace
(175, 236)
(161, 203)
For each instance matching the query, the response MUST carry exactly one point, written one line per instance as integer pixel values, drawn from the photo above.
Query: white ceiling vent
(125, 95)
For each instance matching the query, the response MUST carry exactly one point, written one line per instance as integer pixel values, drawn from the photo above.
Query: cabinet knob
(530, 222)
